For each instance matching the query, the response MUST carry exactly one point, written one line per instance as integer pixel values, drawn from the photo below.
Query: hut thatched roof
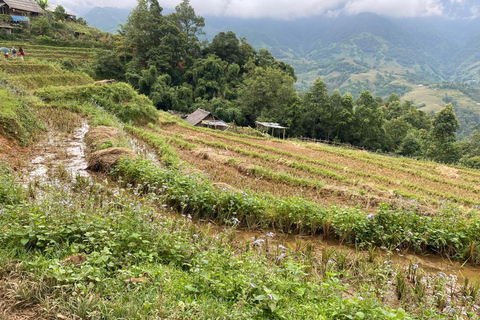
(24, 5)
(197, 116)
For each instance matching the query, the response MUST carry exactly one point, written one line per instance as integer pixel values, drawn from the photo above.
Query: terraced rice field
(32, 75)
(145, 234)
(320, 173)
(51, 53)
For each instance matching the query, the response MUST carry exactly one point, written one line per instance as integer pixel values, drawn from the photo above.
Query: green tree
(226, 46)
(209, 77)
(107, 64)
(396, 130)
(162, 94)
(267, 94)
(410, 145)
(443, 137)
(154, 40)
(342, 116)
(59, 13)
(471, 157)
(191, 25)
(369, 120)
(43, 4)
(41, 26)
(317, 110)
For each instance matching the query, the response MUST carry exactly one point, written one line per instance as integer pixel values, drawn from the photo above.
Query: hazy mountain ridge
(350, 51)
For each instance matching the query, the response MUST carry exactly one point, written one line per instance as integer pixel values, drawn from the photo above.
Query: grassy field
(159, 239)
(321, 173)
(51, 53)
(433, 98)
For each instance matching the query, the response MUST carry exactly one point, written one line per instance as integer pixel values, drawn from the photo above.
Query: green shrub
(118, 98)
(472, 162)
(10, 192)
(16, 119)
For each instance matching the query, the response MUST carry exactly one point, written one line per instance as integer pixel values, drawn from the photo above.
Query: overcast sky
(291, 9)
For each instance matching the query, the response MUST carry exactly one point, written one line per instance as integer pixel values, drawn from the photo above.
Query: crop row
(33, 82)
(381, 178)
(28, 68)
(162, 144)
(391, 228)
(384, 164)
(264, 156)
(312, 169)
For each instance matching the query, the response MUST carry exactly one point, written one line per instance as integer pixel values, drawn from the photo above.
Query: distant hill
(106, 18)
(357, 52)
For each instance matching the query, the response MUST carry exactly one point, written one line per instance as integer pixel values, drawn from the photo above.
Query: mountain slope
(106, 18)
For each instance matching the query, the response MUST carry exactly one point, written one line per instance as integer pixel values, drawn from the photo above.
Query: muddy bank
(431, 264)
(55, 150)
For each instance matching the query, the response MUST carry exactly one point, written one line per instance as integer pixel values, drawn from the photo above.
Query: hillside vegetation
(132, 242)
(113, 209)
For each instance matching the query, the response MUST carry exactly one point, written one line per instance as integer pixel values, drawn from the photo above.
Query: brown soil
(359, 172)
(10, 310)
(11, 152)
(75, 260)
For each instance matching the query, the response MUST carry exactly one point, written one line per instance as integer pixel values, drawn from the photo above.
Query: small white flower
(258, 242)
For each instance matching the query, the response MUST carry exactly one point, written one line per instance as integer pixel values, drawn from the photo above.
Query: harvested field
(345, 176)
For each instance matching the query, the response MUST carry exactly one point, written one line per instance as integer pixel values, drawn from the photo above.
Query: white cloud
(475, 11)
(283, 9)
(405, 8)
(286, 9)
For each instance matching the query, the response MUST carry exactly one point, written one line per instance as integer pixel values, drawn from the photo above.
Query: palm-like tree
(43, 4)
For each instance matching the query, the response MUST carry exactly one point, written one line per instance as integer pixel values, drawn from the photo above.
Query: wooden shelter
(206, 119)
(267, 126)
(20, 8)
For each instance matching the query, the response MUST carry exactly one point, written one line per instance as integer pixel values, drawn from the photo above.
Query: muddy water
(142, 149)
(58, 150)
(429, 263)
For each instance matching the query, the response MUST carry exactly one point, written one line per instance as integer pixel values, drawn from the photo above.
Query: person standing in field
(14, 53)
(6, 55)
(21, 53)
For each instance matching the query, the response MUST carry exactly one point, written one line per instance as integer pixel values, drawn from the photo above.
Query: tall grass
(17, 121)
(119, 99)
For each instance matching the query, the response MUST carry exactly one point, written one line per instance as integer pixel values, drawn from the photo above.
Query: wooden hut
(20, 9)
(270, 127)
(204, 118)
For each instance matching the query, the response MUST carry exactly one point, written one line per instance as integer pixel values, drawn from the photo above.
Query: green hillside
(146, 226)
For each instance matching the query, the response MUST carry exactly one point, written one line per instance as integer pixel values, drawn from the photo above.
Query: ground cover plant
(85, 243)
(16, 120)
